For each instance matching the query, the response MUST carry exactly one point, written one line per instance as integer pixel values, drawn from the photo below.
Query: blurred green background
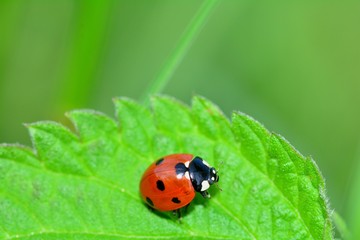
(292, 65)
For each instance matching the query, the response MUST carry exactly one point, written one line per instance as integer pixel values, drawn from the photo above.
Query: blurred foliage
(293, 65)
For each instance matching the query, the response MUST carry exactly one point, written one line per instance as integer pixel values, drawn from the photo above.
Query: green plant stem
(354, 197)
(190, 33)
(341, 226)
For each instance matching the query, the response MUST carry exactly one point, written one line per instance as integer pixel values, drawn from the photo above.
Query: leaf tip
(197, 99)
(157, 98)
(209, 106)
(242, 115)
(166, 99)
(73, 113)
(118, 100)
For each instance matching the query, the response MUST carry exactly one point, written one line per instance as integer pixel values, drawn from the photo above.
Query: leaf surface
(84, 185)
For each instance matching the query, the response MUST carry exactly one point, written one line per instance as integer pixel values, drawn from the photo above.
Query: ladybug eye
(213, 177)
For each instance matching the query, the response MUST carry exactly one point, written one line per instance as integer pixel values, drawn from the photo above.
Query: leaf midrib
(119, 235)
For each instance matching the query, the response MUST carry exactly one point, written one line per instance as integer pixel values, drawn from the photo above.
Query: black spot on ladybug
(148, 200)
(180, 169)
(160, 185)
(175, 200)
(159, 161)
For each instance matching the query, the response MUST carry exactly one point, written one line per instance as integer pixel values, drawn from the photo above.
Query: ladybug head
(202, 175)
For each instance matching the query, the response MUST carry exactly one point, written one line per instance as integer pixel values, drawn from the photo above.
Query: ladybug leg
(150, 208)
(205, 194)
(177, 213)
(185, 208)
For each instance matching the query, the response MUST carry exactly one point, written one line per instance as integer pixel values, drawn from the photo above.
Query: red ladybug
(170, 183)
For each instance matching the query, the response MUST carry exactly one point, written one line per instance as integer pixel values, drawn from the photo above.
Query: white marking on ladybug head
(179, 176)
(212, 179)
(205, 163)
(204, 185)
(187, 164)
(214, 171)
(187, 175)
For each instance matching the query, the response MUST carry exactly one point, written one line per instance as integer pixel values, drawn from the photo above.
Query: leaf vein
(237, 220)
(118, 235)
(23, 206)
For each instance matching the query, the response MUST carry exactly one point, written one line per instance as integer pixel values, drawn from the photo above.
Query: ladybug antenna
(217, 186)
(218, 168)
(217, 171)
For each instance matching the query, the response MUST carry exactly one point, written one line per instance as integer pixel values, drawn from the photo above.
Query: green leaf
(84, 185)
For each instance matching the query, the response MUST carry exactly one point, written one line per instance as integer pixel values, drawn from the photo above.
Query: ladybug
(170, 183)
